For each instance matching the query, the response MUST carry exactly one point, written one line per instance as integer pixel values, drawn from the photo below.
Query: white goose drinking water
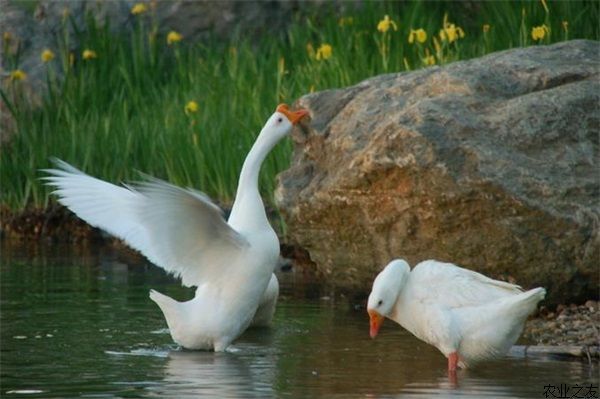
(230, 262)
(466, 315)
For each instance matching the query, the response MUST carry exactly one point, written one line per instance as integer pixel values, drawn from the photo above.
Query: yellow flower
(419, 35)
(539, 32)
(17, 75)
(47, 55)
(173, 37)
(89, 54)
(429, 59)
(451, 32)
(486, 28)
(138, 8)
(324, 52)
(384, 25)
(443, 34)
(191, 107)
(7, 37)
(345, 21)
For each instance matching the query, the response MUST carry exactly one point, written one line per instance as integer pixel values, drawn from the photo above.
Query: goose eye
(279, 120)
(379, 303)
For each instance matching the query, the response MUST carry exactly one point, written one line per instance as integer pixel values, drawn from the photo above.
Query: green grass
(124, 111)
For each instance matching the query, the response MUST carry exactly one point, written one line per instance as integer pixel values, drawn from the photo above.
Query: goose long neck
(251, 168)
(248, 208)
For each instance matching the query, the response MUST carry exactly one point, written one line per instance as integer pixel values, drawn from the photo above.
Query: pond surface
(77, 322)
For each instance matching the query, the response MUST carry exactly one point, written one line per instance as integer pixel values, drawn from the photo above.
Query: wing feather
(451, 286)
(180, 230)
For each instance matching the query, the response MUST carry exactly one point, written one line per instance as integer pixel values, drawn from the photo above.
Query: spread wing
(451, 286)
(180, 230)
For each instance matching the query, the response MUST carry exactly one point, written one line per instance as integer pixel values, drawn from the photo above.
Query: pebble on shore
(567, 325)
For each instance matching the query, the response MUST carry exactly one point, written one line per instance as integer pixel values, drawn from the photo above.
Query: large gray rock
(490, 163)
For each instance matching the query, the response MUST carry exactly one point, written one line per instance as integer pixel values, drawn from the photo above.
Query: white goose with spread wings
(466, 315)
(181, 230)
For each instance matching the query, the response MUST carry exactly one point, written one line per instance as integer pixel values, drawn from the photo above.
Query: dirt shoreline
(54, 223)
(566, 326)
(567, 331)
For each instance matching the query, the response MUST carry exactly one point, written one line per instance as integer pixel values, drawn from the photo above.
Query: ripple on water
(163, 353)
(25, 391)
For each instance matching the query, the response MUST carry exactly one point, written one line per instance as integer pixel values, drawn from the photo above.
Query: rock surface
(491, 164)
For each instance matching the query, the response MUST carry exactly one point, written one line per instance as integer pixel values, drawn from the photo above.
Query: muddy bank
(54, 223)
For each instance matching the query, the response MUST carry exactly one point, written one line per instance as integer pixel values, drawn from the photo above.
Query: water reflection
(216, 375)
(100, 336)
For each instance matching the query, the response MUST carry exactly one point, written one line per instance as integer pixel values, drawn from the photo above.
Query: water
(79, 323)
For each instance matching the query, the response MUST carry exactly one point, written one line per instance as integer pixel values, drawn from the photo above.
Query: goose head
(386, 288)
(281, 122)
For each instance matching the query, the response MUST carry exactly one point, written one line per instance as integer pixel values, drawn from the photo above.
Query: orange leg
(452, 361)
(452, 366)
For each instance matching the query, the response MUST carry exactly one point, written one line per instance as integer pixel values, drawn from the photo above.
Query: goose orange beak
(376, 321)
(293, 116)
